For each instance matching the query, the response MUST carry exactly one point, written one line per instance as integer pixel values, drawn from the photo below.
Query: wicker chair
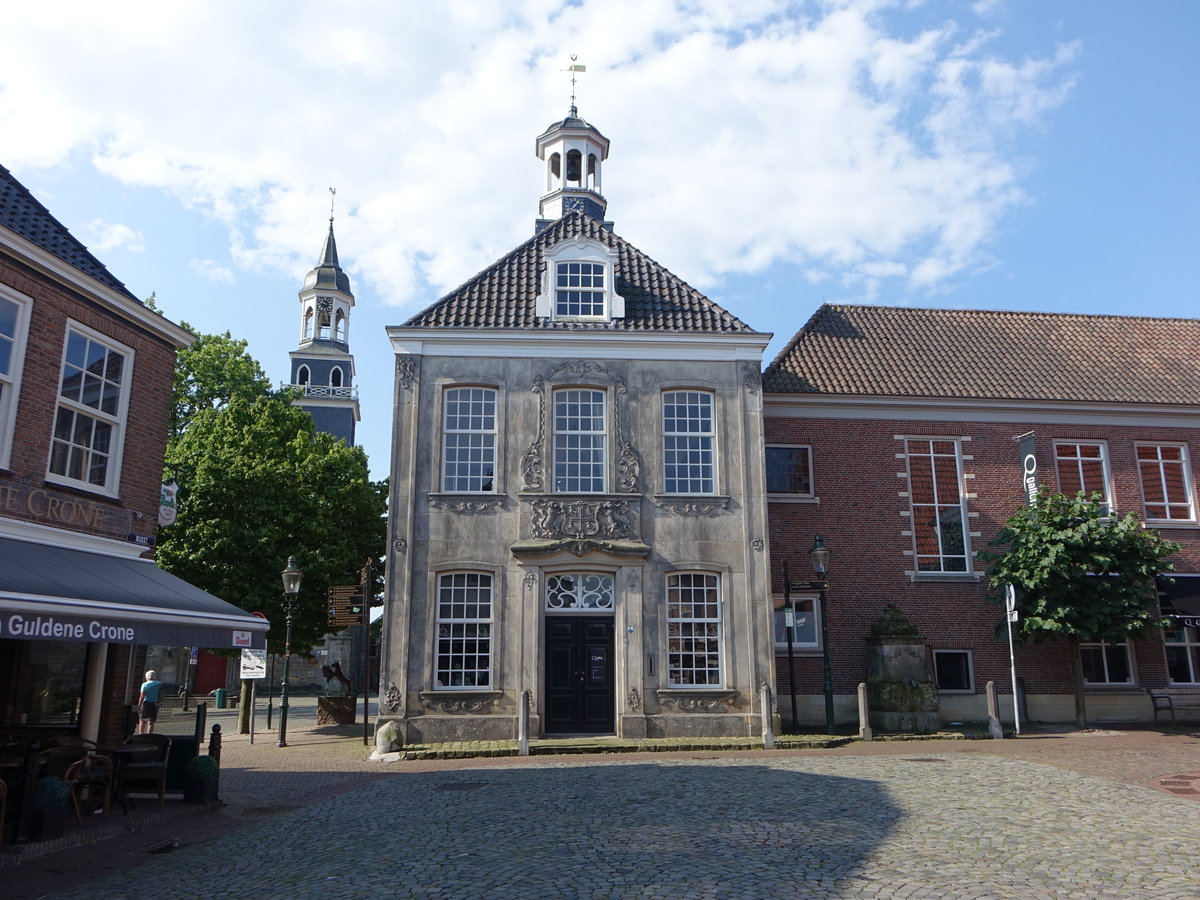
(90, 776)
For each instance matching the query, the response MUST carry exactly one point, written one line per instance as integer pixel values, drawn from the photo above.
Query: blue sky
(995, 154)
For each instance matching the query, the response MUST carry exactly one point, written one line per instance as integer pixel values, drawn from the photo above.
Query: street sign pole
(366, 642)
(1010, 605)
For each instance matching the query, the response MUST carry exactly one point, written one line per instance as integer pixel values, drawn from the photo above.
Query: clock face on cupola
(325, 305)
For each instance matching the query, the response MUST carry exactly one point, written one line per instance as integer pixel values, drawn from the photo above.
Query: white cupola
(573, 151)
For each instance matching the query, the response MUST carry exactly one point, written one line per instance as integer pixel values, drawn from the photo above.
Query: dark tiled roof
(504, 294)
(898, 352)
(23, 214)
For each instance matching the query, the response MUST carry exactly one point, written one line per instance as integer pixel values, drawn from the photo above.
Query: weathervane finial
(573, 68)
(332, 197)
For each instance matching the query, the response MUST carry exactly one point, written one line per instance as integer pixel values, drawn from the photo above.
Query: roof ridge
(1006, 312)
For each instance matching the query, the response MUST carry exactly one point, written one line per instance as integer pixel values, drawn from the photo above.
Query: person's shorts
(149, 711)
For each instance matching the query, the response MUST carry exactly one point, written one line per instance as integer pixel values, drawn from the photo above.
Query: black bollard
(214, 743)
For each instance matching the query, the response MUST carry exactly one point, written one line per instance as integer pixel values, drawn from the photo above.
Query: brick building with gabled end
(85, 396)
(893, 433)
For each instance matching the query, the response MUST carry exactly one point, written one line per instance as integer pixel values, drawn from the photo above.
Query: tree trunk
(244, 708)
(1077, 678)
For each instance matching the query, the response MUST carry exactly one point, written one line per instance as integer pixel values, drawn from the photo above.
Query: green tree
(1079, 574)
(259, 484)
(209, 374)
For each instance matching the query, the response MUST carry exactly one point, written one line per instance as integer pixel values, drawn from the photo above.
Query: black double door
(579, 675)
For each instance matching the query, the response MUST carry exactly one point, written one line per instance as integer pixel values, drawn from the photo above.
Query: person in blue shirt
(148, 703)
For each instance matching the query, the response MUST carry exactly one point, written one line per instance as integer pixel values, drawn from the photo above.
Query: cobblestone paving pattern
(917, 826)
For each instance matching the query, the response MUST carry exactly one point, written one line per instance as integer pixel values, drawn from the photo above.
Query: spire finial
(573, 68)
(332, 197)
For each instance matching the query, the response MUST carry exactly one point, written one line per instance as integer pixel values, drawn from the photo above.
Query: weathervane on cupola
(573, 151)
(322, 367)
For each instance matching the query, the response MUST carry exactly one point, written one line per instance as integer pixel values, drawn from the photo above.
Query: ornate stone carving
(696, 701)
(634, 700)
(581, 519)
(468, 505)
(629, 462)
(406, 372)
(705, 506)
(391, 697)
(758, 544)
(753, 379)
(451, 704)
(530, 578)
(400, 545)
(533, 465)
(631, 578)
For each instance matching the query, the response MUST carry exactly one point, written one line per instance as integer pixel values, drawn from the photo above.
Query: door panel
(579, 675)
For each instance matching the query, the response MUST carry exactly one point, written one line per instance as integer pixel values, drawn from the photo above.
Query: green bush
(202, 768)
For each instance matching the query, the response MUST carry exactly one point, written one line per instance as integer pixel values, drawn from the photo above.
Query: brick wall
(855, 477)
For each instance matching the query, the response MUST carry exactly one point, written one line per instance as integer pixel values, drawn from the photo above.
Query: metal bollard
(766, 707)
(523, 724)
(214, 743)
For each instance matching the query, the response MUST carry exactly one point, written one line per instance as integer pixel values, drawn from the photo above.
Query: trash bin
(220, 692)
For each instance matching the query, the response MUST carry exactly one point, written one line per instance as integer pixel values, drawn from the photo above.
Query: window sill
(949, 577)
(807, 651)
(81, 487)
(1169, 524)
(792, 498)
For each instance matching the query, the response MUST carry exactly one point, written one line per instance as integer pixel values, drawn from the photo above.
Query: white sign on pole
(254, 664)
(1010, 604)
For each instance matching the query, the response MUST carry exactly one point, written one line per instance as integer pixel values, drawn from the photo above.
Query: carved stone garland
(406, 372)
(391, 697)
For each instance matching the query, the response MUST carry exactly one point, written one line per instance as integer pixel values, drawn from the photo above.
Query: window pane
(693, 630)
(953, 670)
(463, 654)
(788, 471)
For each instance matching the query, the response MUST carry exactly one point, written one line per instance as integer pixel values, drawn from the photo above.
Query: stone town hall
(572, 510)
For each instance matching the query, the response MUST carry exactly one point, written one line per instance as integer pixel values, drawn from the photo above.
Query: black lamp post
(291, 588)
(789, 621)
(820, 562)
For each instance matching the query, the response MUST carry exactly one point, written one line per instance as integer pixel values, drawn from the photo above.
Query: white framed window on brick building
(789, 471)
(89, 421)
(1166, 476)
(937, 504)
(579, 282)
(1105, 663)
(469, 440)
(806, 632)
(689, 443)
(14, 325)
(1182, 645)
(953, 671)
(693, 630)
(580, 441)
(1083, 466)
(463, 658)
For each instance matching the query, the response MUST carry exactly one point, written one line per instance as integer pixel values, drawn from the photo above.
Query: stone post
(764, 703)
(864, 714)
(993, 708)
(523, 724)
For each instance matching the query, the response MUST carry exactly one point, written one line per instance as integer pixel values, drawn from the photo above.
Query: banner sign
(168, 504)
(254, 664)
(105, 629)
(1029, 485)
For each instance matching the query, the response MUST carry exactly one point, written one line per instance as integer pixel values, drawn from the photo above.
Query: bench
(1165, 701)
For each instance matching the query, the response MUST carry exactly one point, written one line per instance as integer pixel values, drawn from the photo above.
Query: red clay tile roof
(504, 294)
(903, 352)
(22, 213)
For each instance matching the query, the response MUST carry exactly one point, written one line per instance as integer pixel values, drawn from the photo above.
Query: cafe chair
(153, 769)
(91, 776)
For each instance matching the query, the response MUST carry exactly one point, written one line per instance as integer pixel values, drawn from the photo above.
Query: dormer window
(578, 282)
(579, 290)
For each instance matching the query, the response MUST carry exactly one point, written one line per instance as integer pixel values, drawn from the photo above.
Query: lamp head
(820, 556)
(291, 577)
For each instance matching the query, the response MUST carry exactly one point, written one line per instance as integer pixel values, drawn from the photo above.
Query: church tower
(322, 367)
(572, 151)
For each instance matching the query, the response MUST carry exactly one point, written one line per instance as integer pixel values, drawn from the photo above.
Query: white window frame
(478, 628)
(118, 421)
(580, 250)
(684, 638)
(1189, 644)
(793, 495)
(486, 439)
(970, 688)
(811, 614)
(589, 593)
(1104, 647)
(10, 381)
(571, 484)
(1077, 461)
(700, 457)
(1185, 464)
(919, 512)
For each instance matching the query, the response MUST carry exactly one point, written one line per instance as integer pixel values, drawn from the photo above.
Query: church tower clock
(322, 367)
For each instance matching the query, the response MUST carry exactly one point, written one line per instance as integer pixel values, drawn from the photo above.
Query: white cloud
(850, 138)
(211, 271)
(99, 236)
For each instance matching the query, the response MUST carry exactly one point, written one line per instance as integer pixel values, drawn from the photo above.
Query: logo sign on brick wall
(1029, 485)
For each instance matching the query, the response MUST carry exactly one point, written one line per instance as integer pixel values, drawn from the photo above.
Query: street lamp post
(789, 621)
(820, 562)
(291, 588)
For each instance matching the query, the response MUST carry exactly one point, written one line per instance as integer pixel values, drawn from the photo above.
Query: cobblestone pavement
(1046, 816)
